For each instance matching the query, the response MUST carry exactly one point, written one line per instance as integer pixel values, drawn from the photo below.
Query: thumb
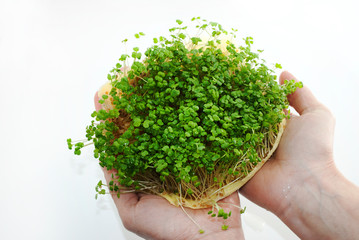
(127, 202)
(98, 106)
(302, 99)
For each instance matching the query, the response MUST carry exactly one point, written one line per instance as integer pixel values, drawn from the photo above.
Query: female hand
(300, 184)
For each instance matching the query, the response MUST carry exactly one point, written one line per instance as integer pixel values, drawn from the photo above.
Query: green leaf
(123, 57)
(220, 213)
(182, 35)
(175, 93)
(196, 40)
(243, 210)
(161, 165)
(248, 136)
(179, 22)
(137, 122)
(146, 124)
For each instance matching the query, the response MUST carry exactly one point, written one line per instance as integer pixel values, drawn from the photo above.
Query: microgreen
(224, 227)
(194, 112)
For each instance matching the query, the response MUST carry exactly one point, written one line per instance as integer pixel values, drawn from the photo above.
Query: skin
(305, 151)
(300, 184)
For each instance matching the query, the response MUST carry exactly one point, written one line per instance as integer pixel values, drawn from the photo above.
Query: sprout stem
(199, 227)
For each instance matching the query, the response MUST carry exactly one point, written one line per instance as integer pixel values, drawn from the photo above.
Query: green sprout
(224, 227)
(191, 115)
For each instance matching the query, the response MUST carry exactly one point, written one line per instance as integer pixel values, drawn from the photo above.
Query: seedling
(191, 119)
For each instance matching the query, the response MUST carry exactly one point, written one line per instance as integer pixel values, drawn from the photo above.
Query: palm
(153, 217)
(305, 148)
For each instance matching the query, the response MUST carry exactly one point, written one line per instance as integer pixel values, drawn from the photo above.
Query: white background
(55, 54)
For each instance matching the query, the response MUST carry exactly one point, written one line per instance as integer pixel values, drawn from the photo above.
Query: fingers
(302, 99)
(127, 201)
(98, 106)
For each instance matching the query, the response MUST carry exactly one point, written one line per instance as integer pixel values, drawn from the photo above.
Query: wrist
(323, 207)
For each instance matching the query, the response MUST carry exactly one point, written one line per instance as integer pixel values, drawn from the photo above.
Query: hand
(153, 217)
(300, 184)
(305, 151)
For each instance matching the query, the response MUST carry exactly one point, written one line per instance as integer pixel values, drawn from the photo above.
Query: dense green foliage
(192, 108)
